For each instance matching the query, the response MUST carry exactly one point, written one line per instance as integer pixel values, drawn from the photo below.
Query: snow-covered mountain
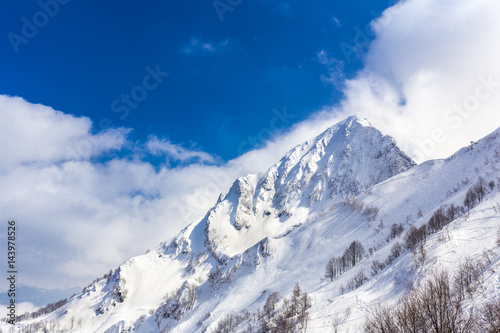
(351, 188)
(38, 296)
(30, 298)
(343, 161)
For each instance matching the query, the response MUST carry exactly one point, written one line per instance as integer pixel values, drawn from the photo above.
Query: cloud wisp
(199, 46)
(163, 147)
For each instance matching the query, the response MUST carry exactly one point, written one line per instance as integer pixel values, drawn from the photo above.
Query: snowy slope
(37, 296)
(343, 161)
(269, 232)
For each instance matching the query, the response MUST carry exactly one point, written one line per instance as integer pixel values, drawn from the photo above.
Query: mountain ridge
(320, 169)
(237, 255)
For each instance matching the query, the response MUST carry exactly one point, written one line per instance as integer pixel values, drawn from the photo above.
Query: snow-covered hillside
(30, 298)
(343, 161)
(272, 231)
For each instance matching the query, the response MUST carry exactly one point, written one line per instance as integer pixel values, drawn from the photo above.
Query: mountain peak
(353, 120)
(272, 231)
(346, 159)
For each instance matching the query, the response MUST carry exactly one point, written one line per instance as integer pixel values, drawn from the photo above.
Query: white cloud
(176, 152)
(21, 308)
(336, 21)
(38, 134)
(77, 217)
(425, 74)
(334, 68)
(197, 45)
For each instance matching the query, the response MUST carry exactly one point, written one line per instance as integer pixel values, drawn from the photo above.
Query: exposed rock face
(343, 161)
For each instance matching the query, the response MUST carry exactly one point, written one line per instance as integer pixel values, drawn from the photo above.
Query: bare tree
(420, 254)
(438, 220)
(227, 324)
(491, 185)
(330, 271)
(295, 301)
(452, 212)
(490, 317)
(303, 314)
(396, 250)
(271, 302)
(432, 308)
(376, 267)
(335, 324)
(468, 277)
(396, 230)
(480, 189)
(381, 321)
(359, 279)
(470, 199)
(284, 324)
(415, 236)
(354, 253)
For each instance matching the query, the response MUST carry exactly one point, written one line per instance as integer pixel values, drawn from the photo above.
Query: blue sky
(225, 76)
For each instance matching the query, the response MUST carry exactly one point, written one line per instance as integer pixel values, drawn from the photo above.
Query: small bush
(376, 267)
(468, 277)
(490, 317)
(475, 194)
(396, 251)
(415, 236)
(227, 324)
(371, 212)
(470, 199)
(359, 279)
(452, 212)
(396, 230)
(271, 302)
(431, 308)
(491, 185)
(438, 220)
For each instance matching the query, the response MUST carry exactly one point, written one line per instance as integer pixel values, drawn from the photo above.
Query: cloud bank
(431, 80)
(81, 209)
(432, 76)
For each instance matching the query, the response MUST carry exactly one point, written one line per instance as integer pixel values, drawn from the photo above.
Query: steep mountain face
(270, 232)
(345, 160)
